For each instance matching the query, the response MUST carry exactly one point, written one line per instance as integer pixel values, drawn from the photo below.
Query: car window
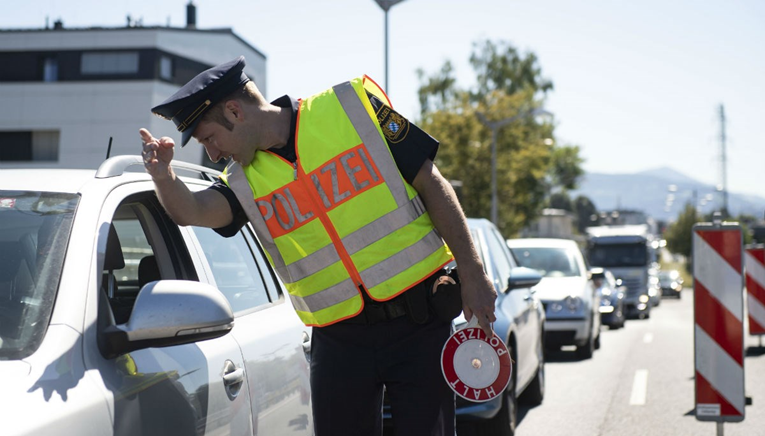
(549, 261)
(501, 260)
(235, 269)
(135, 247)
(34, 234)
(129, 260)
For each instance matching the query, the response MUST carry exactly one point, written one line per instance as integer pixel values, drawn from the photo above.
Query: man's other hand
(478, 297)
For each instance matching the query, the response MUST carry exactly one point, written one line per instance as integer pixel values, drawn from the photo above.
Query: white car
(115, 321)
(571, 302)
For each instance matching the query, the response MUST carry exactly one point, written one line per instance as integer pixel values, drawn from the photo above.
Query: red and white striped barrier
(754, 264)
(719, 329)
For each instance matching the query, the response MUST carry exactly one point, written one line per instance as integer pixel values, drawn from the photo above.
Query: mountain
(649, 191)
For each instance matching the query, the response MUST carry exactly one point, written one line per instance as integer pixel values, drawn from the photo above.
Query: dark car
(611, 297)
(671, 283)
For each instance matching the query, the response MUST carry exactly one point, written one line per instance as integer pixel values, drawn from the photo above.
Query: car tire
(506, 420)
(597, 341)
(534, 393)
(586, 350)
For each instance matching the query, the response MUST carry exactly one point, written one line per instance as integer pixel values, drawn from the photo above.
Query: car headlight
(573, 304)
(644, 298)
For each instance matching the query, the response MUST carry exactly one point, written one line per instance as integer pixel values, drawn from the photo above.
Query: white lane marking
(639, 387)
(648, 338)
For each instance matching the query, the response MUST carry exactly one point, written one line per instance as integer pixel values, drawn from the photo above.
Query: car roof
(479, 223)
(117, 170)
(541, 242)
(45, 180)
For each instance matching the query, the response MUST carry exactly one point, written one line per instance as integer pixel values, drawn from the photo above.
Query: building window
(109, 63)
(50, 69)
(41, 146)
(166, 68)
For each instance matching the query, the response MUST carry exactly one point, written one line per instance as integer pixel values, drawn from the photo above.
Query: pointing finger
(146, 135)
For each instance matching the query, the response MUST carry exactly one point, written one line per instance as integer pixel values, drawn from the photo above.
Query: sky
(638, 85)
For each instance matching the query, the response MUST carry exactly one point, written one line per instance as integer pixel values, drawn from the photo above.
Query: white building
(551, 223)
(65, 92)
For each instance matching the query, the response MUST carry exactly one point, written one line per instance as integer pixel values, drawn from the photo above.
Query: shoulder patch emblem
(394, 126)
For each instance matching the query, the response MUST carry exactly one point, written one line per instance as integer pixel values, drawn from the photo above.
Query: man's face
(221, 143)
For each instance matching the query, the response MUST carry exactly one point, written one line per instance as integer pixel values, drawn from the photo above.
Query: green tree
(566, 167)
(679, 234)
(509, 85)
(561, 200)
(584, 209)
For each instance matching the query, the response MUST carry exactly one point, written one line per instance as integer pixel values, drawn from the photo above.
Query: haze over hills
(649, 191)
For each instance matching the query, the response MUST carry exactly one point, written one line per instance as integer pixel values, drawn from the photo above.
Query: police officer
(344, 197)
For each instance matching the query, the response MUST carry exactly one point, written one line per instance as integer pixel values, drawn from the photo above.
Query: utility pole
(386, 5)
(723, 163)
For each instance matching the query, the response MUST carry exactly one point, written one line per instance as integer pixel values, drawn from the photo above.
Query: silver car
(571, 302)
(115, 321)
(520, 323)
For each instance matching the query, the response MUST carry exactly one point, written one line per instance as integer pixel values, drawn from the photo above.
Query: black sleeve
(409, 145)
(240, 218)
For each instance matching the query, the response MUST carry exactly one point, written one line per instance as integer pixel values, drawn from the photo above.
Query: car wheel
(505, 421)
(535, 391)
(586, 350)
(597, 341)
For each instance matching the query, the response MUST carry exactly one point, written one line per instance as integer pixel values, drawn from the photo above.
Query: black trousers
(350, 364)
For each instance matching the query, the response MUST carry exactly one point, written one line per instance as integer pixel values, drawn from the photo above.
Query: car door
(526, 328)
(191, 389)
(273, 339)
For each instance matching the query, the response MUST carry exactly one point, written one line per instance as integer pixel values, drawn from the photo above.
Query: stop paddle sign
(476, 367)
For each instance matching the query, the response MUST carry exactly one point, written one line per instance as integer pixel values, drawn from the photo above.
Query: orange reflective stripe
(335, 182)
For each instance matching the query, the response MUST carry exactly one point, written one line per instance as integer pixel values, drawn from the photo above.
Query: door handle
(233, 379)
(307, 346)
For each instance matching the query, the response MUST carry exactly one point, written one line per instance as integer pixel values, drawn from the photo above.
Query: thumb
(166, 142)
(468, 313)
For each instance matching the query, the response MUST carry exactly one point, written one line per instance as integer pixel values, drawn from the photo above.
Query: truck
(629, 252)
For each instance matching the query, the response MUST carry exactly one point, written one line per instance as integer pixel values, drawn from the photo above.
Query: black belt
(375, 311)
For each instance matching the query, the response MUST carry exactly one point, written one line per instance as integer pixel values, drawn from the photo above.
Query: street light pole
(386, 5)
(495, 126)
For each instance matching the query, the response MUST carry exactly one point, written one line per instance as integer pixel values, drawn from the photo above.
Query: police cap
(186, 107)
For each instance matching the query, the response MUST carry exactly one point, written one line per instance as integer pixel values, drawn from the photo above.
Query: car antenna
(109, 149)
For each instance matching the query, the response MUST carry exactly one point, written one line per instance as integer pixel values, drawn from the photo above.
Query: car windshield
(668, 276)
(34, 232)
(549, 261)
(616, 255)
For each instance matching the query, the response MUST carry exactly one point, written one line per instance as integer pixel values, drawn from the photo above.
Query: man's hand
(157, 155)
(478, 296)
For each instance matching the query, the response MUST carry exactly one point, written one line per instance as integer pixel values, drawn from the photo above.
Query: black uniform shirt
(409, 145)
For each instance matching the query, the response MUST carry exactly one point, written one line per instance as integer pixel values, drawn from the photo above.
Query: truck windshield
(34, 232)
(616, 255)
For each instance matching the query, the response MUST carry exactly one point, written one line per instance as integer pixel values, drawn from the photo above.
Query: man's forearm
(177, 199)
(448, 218)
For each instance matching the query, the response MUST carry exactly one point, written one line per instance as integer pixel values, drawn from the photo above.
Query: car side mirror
(170, 312)
(521, 277)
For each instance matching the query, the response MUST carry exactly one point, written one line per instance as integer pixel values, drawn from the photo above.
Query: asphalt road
(640, 382)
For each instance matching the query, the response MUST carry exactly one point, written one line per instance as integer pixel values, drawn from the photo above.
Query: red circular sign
(475, 367)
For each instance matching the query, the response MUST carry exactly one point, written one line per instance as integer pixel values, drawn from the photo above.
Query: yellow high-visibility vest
(341, 220)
